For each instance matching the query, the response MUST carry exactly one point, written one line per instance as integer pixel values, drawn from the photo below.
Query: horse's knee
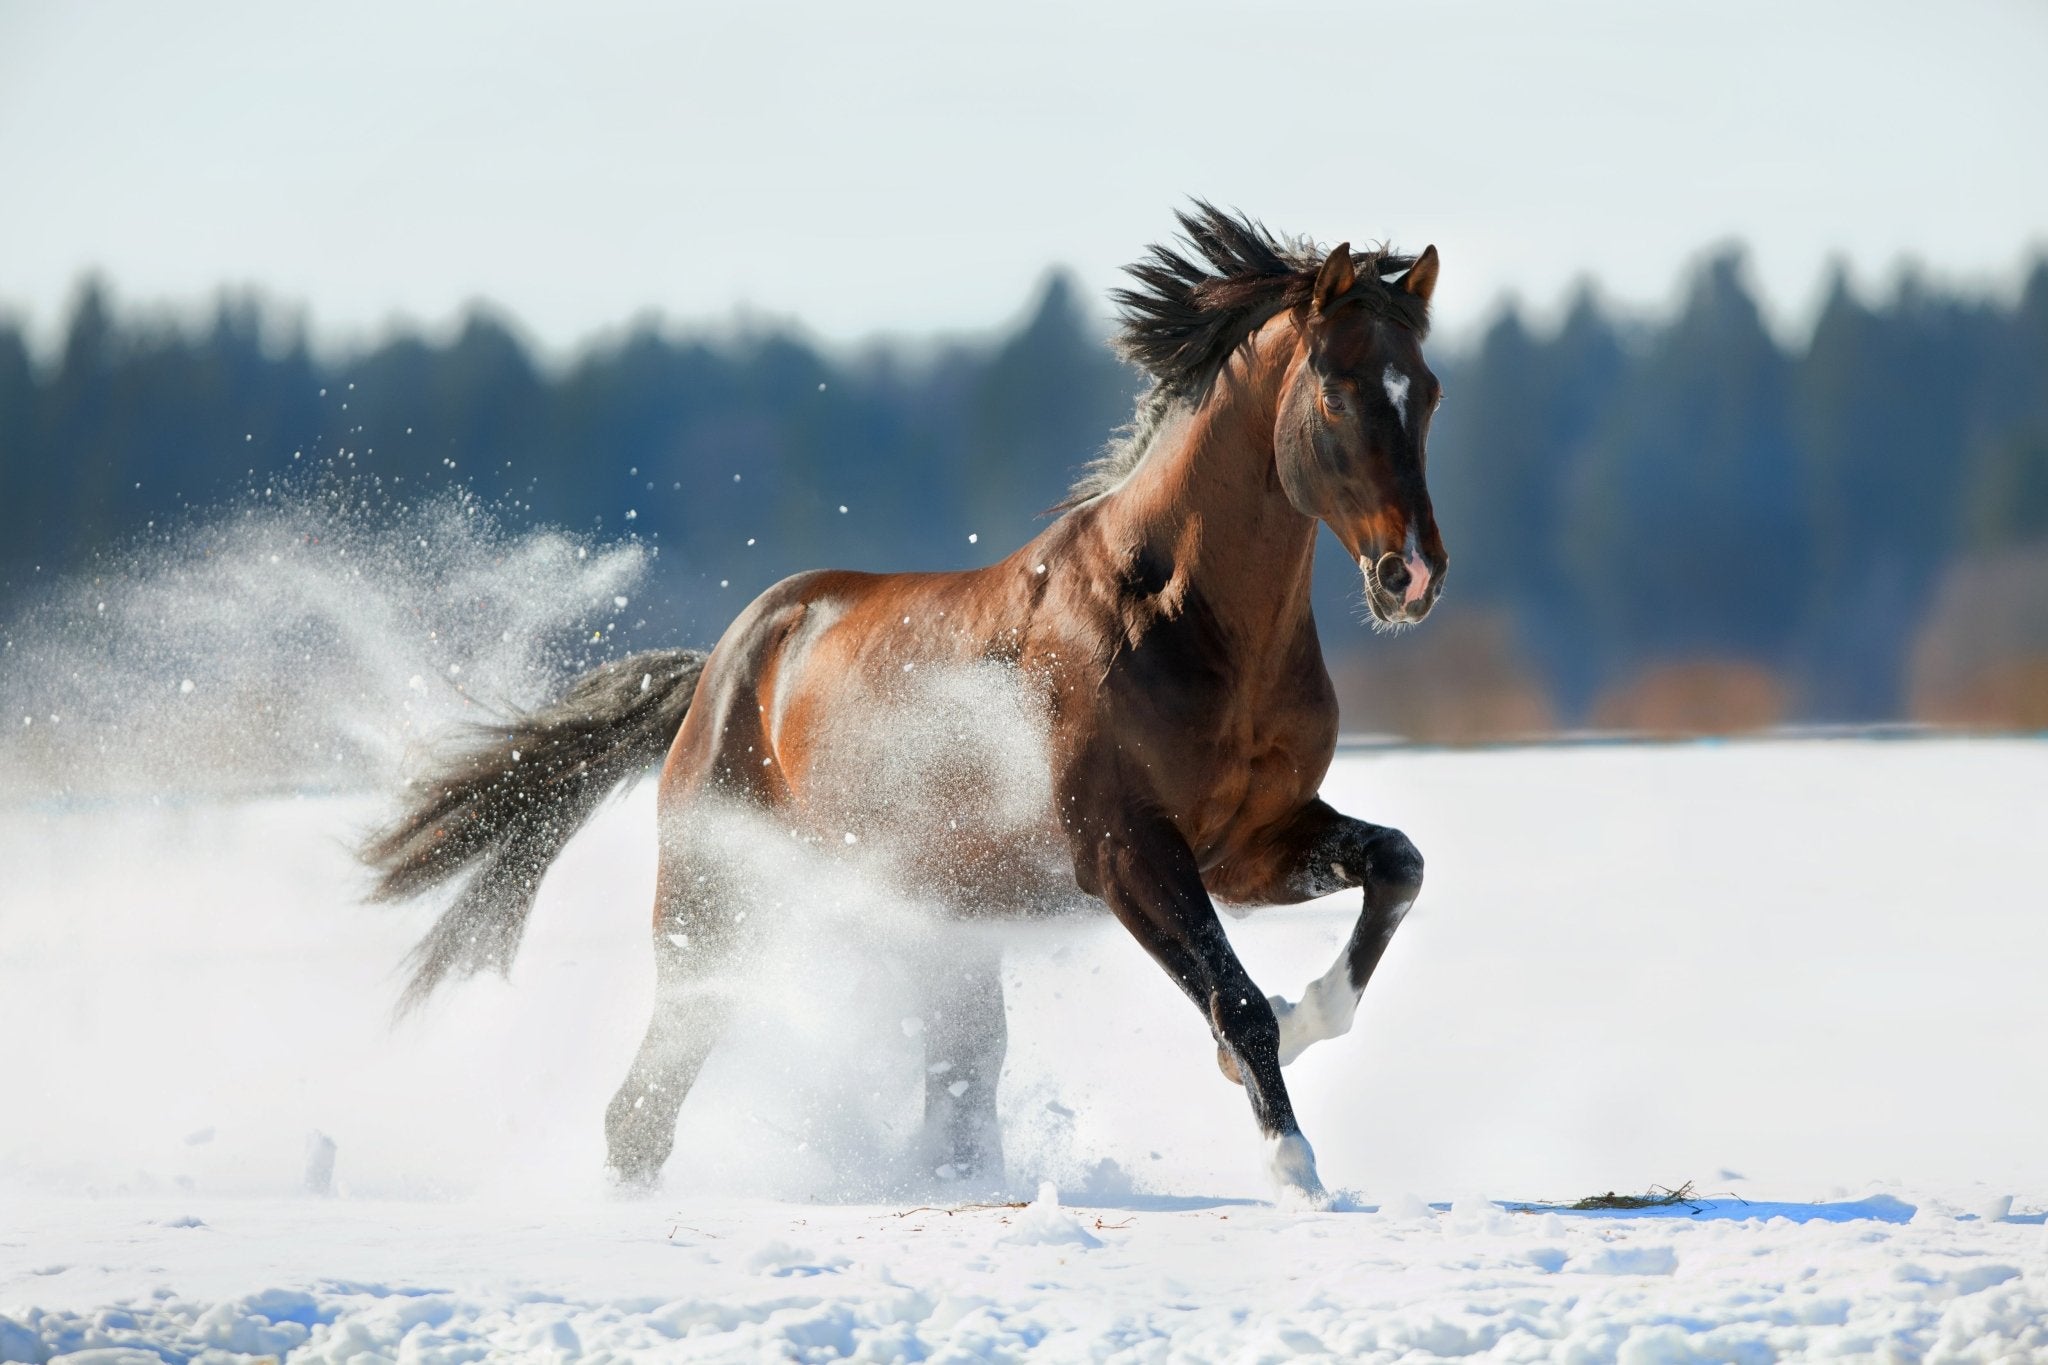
(1394, 863)
(1244, 1022)
(1246, 1029)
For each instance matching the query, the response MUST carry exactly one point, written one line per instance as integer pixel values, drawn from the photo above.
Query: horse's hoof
(634, 1181)
(1292, 1164)
(1227, 1064)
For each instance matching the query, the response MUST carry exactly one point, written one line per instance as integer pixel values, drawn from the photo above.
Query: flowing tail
(509, 799)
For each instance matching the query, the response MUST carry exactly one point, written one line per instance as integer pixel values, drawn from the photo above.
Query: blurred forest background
(1677, 525)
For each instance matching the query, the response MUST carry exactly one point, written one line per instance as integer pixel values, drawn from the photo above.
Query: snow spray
(303, 639)
(224, 707)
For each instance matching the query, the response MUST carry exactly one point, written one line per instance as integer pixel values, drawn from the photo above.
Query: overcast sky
(907, 169)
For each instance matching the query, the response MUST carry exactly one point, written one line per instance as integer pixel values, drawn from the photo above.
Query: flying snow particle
(185, 688)
(646, 681)
(821, 388)
(842, 509)
(620, 602)
(632, 514)
(852, 838)
(973, 538)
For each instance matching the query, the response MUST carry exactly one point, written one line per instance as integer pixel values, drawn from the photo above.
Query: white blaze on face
(1396, 385)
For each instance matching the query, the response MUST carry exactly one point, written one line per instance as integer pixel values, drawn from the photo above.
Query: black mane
(1197, 301)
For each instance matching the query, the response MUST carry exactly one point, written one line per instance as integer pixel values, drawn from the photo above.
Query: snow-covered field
(1803, 975)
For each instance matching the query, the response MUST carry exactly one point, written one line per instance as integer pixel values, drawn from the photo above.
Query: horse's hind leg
(965, 1036)
(693, 947)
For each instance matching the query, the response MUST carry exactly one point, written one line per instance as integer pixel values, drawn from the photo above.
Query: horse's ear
(1421, 277)
(1335, 279)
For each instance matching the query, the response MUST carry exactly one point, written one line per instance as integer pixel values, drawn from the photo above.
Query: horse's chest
(1245, 788)
(1238, 766)
(1227, 749)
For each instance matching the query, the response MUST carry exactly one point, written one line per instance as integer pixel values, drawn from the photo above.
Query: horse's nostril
(1392, 573)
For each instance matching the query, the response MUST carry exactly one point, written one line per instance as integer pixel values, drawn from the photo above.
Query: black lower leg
(966, 1036)
(1392, 878)
(694, 951)
(640, 1122)
(1248, 1048)
(1139, 863)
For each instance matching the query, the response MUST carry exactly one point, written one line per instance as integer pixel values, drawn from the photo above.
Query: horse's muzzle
(1400, 589)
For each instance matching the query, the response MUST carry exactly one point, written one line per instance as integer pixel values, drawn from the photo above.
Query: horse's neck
(1207, 502)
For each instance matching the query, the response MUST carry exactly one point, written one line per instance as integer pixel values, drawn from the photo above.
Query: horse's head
(1353, 430)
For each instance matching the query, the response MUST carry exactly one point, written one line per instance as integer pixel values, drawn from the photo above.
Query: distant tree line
(1616, 496)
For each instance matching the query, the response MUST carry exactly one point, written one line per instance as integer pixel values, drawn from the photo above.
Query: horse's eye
(1333, 401)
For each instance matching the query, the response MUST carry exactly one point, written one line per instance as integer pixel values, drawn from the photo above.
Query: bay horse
(1151, 656)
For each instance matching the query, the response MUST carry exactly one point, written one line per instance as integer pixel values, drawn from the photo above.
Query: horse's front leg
(1315, 853)
(1136, 861)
